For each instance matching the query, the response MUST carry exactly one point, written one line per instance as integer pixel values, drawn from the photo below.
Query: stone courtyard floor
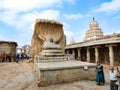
(20, 76)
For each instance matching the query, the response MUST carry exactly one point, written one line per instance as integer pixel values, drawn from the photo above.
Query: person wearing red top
(3, 56)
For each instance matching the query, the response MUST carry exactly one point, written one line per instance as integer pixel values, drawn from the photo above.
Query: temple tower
(93, 31)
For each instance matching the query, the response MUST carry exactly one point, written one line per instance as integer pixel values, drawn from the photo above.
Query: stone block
(66, 71)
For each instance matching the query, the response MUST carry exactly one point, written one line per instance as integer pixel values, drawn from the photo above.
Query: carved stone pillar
(88, 54)
(79, 54)
(96, 55)
(111, 55)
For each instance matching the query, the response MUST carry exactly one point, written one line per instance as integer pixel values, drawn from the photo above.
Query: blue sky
(17, 17)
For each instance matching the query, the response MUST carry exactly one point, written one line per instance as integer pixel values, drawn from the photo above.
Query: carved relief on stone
(44, 31)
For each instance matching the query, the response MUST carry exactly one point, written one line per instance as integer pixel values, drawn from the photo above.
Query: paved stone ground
(20, 76)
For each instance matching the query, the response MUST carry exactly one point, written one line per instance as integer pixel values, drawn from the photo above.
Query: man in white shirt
(113, 78)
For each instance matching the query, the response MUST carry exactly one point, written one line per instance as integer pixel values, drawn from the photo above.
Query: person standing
(100, 79)
(8, 57)
(3, 56)
(83, 59)
(17, 58)
(113, 78)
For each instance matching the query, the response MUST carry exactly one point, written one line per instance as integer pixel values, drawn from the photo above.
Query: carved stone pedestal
(49, 73)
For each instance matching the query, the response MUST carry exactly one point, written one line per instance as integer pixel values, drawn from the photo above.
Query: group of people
(21, 56)
(100, 78)
(5, 57)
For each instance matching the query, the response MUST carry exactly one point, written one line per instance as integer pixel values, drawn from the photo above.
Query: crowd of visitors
(8, 57)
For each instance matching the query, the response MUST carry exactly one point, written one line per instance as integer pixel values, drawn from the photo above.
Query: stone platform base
(58, 72)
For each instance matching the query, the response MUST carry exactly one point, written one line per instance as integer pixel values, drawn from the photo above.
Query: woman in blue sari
(99, 74)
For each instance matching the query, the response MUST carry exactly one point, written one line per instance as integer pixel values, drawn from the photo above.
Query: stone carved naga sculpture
(48, 34)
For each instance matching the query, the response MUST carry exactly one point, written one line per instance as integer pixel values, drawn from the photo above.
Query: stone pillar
(79, 54)
(88, 54)
(96, 55)
(111, 55)
(73, 52)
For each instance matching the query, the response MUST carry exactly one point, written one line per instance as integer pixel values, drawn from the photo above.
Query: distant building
(9, 47)
(96, 46)
(26, 49)
(72, 41)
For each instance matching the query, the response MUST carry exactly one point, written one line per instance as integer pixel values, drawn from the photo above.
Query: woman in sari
(99, 74)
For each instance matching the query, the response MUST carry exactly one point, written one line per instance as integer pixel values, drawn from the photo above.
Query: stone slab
(67, 71)
(42, 59)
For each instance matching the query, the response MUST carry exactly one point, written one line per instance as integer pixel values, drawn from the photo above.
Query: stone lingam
(51, 64)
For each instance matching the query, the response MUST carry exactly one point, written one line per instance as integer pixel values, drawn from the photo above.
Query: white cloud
(22, 14)
(69, 34)
(30, 18)
(77, 36)
(67, 31)
(114, 5)
(27, 5)
(73, 16)
(12, 11)
(25, 23)
(27, 19)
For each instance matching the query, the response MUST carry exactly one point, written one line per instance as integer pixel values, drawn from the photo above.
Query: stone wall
(9, 48)
(65, 75)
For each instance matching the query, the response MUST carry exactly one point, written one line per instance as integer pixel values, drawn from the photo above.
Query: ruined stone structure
(97, 47)
(52, 66)
(9, 47)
